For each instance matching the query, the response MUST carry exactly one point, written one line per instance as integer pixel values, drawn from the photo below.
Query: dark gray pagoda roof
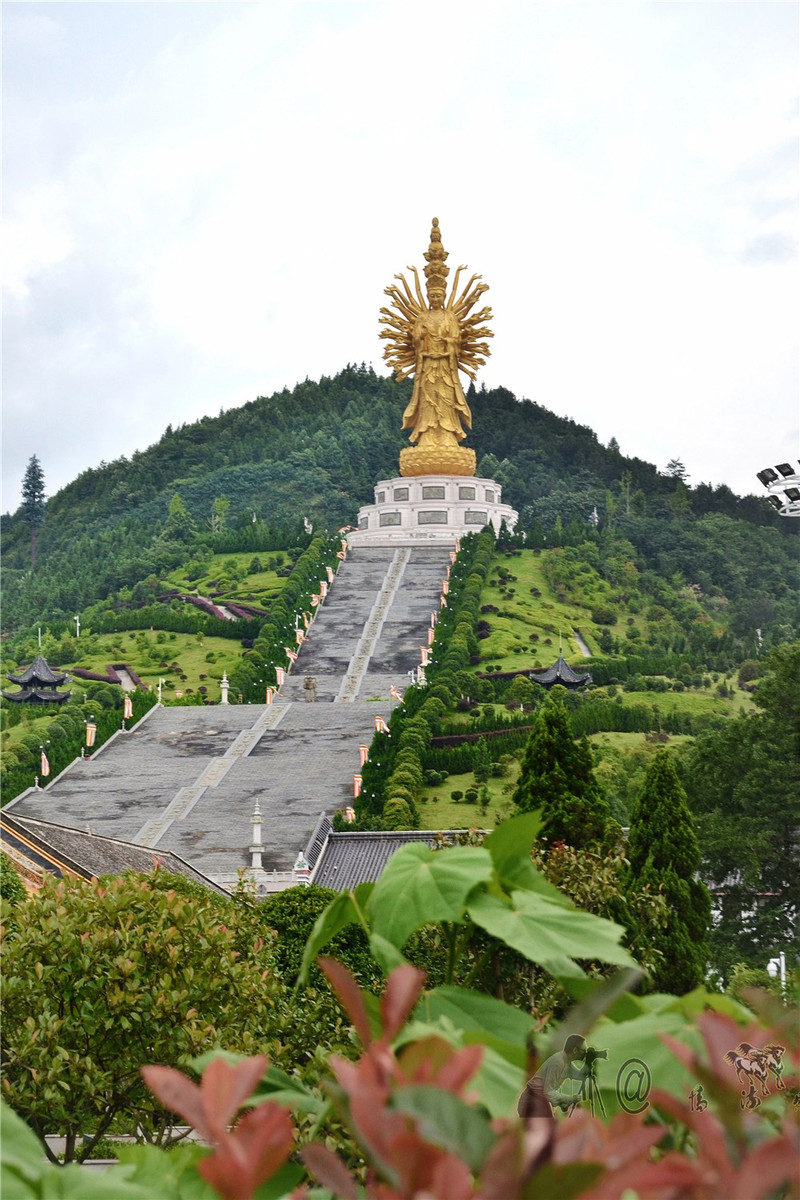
(37, 673)
(59, 850)
(348, 859)
(37, 694)
(560, 672)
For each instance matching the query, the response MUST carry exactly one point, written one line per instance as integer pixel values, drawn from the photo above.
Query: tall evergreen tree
(33, 500)
(743, 782)
(664, 853)
(557, 777)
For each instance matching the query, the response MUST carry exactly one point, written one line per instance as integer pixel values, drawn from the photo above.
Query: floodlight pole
(777, 966)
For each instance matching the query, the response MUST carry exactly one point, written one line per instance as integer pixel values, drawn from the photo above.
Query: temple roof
(343, 860)
(39, 846)
(560, 672)
(38, 684)
(37, 673)
(37, 695)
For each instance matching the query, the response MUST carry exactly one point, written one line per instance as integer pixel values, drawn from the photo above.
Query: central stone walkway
(187, 779)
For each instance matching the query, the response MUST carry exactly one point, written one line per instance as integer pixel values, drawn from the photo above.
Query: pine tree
(33, 500)
(664, 853)
(557, 777)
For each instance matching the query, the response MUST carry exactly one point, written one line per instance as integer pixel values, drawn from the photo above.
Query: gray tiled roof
(352, 858)
(88, 854)
(38, 671)
(318, 840)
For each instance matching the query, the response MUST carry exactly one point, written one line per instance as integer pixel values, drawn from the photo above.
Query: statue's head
(436, 271)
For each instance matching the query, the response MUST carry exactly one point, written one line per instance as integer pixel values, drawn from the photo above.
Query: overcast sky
(204, 202)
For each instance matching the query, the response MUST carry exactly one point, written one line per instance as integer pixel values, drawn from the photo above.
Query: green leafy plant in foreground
(428, 1102)
(410, 1104)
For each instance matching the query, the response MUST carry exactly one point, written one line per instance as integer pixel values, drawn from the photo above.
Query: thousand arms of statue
(433, 341)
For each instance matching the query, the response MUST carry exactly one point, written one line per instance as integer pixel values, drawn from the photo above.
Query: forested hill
(316, 452)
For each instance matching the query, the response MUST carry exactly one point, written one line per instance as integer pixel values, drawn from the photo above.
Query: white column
(257, 848)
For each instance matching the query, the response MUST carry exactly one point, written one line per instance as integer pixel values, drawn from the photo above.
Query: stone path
(584, 649)
(125, 681)
(187, 779)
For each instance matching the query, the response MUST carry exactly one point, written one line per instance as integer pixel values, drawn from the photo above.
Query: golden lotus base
(437, 460)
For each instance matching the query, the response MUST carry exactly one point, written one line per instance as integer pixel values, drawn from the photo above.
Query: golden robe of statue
(433, 342)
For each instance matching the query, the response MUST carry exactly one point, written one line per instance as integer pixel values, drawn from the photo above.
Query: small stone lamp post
(257, 847)
(223, 687)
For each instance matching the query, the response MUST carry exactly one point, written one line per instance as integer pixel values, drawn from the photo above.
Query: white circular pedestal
(422, 508)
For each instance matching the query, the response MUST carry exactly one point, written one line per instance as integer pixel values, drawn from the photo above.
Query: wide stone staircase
(187, 779)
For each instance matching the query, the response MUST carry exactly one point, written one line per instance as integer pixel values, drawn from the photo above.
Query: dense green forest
(232, 483)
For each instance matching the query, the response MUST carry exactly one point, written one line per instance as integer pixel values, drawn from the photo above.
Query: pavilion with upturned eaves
(561, 672)
(38, 685)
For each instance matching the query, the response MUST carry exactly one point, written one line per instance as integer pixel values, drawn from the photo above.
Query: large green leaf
(22, 1150)
(385, 953)
(170, 1175)
(498, 1080)
(75, 1182)
(511, 1052)
(600, 997)
(421, 885)
(510, 847)
(25, 1172)
(16, 1186)
(281, 1184)
(287, 1090)
(447, 1121)
(346, 909)
(497, 1083)
(475, 1012)
(546, 933)
(692, 1004)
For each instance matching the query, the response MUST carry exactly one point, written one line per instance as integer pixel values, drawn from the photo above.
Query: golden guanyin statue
(433, 342)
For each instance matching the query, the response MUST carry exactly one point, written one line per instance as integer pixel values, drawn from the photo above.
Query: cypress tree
(557, 777)
(33, 500)
(664, 852)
